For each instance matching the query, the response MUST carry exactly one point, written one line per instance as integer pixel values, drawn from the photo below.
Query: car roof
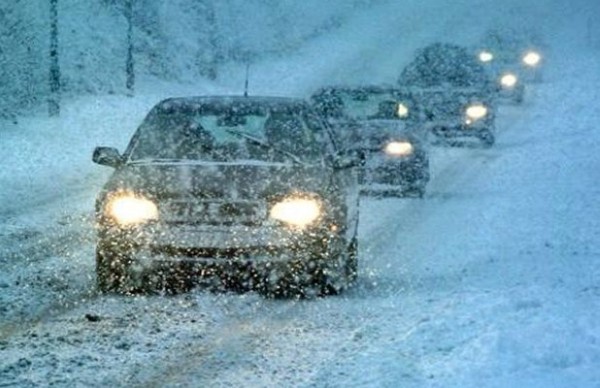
(271, 101)
(396, 91)
(397, 127)
(363, 88)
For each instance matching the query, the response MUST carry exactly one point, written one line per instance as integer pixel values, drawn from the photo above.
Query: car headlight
(508, 80)
(399, 148)
(476, 112)
(402, 110)
(486, 56)
(296, 211)
(532, 58)
(128, 209)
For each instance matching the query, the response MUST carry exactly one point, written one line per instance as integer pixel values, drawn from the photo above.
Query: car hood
(374, 134)
(231, 180)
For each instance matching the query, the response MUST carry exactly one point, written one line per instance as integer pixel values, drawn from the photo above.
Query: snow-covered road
(491, 280)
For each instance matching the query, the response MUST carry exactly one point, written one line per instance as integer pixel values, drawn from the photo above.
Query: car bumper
(205, 244)
(401, 174)
(178, 257)
(514, 94)
(461, 130)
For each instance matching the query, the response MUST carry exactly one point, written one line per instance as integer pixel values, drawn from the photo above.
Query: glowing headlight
(399, 148)
(299, 212)
(129, 209)
(476, 112)
(508, 80)
(532, 58)
(402, 110)
(486, 56)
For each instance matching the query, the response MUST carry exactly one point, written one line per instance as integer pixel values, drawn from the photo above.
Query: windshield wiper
(168, 161)
(152, 160)
(264, 144)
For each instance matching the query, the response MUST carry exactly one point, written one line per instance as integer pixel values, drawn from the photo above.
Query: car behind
(396, 158)
(455, 92)
(384, 125)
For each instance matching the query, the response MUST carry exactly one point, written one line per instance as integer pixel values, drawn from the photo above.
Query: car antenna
(247, 76)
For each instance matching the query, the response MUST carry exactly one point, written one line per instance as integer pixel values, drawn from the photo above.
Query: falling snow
(489, 280)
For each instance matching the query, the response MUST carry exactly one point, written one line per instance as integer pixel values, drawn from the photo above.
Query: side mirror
(107, 156)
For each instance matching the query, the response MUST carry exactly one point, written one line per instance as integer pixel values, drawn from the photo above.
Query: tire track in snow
(45, 274)
(243, 331)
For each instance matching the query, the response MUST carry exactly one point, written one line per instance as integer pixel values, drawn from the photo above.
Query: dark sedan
(517, 51)
(368, 102)
(456, 93)
(384, 125)
(396, 159)
(233, 192)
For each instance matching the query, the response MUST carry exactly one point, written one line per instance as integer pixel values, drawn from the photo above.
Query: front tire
(487, 139)
(328, 271)
(519, 97)
(112, 271)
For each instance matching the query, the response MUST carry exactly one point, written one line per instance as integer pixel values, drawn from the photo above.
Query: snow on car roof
(227, 100)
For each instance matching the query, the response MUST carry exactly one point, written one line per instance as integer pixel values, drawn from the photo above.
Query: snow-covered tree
(23, 55)
(54, 80)
(129, 70)
(178, 40)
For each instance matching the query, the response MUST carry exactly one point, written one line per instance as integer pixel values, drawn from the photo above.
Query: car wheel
(390, 193)
(326, 272)
(338, 268)
(414, 192)
(289, 282)
(112, 271)
(519, 97)
(487, 138)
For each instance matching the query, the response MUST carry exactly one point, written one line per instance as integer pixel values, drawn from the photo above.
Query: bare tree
(129, 69)
(213, 41)
(54, 98)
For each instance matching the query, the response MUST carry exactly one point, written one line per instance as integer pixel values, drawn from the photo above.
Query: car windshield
(369, 134)
(443, 104)
(359, 104)
(444, 65)
(227, 135)
(364, 106)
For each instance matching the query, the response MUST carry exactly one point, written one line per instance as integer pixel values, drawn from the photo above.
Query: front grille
(205, 212)
(218, 253)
